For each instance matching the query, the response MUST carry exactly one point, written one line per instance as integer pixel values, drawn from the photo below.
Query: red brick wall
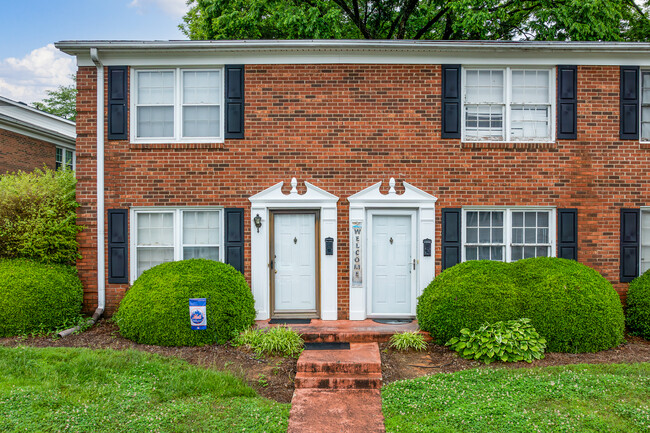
(345, 127)
(20, 152)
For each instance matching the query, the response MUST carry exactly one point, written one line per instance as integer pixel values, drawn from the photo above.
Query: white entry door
(294, 255)
(392, 262)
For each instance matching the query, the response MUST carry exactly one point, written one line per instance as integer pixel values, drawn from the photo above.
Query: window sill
(174, 146)
(533, 145)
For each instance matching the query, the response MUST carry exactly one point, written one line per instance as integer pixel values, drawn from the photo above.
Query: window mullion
(508, 96)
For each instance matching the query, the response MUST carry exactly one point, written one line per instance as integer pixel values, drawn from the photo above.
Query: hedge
(156, 309)
(571, 305)
(36, 297)
(637, 314)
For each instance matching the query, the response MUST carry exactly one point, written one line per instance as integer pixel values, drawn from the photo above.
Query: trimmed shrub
(637, 313)
(38, 217)
(571, 305)
(279, 340)
(156, 309)
(37, 297)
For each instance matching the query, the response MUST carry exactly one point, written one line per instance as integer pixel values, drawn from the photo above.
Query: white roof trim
(274, 194)
(22, 119)
(373, 195)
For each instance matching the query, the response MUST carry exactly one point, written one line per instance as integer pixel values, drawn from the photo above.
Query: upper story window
(178, 105)
(508, 104)
(508, 234)
(65, 159)
(645, 105)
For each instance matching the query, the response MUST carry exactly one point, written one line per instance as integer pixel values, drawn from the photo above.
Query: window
(645, 105)
(508, 234)
(508, 104)
(65, 159)
(165, 235)
(178, 105)
(645, 240)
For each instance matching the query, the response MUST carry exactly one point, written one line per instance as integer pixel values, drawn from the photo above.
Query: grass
(408, 340)
(578, 398)
(279, 341)
(83, 390)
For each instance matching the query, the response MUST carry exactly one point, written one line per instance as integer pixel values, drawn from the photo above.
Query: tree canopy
(575, 20)
(61, 102)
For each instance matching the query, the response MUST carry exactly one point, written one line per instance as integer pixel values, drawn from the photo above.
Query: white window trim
(178, 231)
(178, 107)
(508, 101)
(641, 103)
(64, 150)
(507, 226)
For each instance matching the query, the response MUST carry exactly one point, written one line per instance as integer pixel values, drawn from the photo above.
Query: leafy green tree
(584, 20)
(61, 102)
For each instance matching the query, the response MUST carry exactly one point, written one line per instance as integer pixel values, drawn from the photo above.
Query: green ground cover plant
(275, 341)
(38, 216)
(571, 305)
(156, 309)
(576, 398)
(37, 298)
(511, 341)
(407, 340)
(83, 390)
(637, 314)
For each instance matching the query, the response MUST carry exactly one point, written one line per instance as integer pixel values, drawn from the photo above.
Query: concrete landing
(338, 391)
(352, 331)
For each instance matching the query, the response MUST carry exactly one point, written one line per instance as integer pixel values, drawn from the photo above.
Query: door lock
(295, 240)
(413, 264)
(391, 241)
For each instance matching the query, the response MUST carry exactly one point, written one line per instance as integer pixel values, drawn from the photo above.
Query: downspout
(101, 282)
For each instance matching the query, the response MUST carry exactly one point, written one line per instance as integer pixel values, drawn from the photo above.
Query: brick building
(341, 176)
(30, 138)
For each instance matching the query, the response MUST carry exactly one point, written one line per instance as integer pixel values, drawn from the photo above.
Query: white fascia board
(175, 53)
(37, 133)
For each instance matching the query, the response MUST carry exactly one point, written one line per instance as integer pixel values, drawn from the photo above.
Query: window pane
(155, 229)
(484, 253)
(517, 253)
(201, 121)
(211, 253)
(484, 236)
(484, 122)
(542, 236)
(472, 219)
(59, 155)
(517, 236)
(529, 252)
(484, 219)
(484, 86)
(472, 235)
(201, 228)
(529, 121)
(645, 240)
(471, 253)
(156, 87)
(542, 252)
(497, 235)
(150, 257)
(69, 157)
(542, 219)
(155, 121)
(529, 237)
(517, 219)
(531, 218)
(497, 253)
(645, 125)
(497, 219)
(530, 87)
(201, 87)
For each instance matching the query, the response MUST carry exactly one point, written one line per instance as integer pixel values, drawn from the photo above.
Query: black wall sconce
(258, 222)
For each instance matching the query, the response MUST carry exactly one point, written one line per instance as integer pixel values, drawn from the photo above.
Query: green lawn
(578, 398)
(83, 390)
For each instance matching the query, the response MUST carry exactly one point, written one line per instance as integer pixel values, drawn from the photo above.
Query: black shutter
(234, 218)
(567, 102)
(117, 102)
(451, 226)
(567, 233)
(234, 101)
(118, 246)
(629, 244)
(629, 102)
(451, 115)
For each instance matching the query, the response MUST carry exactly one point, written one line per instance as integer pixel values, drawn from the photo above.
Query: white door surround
(369, 202)
(273, 199)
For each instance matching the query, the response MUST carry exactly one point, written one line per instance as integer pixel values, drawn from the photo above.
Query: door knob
(295, 240)
(391, 241)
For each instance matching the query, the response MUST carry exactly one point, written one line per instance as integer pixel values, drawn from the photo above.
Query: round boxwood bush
(156, 309)
(569, 304)
(638, 306)
(37, 297)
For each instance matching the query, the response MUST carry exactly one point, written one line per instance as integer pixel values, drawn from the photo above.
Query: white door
(393, 254)
(295, 262)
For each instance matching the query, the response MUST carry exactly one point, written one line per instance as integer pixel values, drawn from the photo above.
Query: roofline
(82, 46)
(35, 110)
(23, 128)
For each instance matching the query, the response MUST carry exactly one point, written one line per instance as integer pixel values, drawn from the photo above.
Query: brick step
(338, 381)
(362, 358)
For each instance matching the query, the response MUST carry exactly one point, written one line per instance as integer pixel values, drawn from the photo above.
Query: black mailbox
(427, 247)
(329, 246)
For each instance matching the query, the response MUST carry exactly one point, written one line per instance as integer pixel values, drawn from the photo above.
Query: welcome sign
(357, 274)
(198, 318)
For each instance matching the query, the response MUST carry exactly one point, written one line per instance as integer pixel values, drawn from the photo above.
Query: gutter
(101, 282)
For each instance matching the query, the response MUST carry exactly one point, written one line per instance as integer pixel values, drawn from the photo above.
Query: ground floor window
(65, 159)
(645, 240)
(508, 234)
(166, 234)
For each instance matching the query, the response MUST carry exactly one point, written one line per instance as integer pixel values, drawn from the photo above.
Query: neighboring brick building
(498, 150)
(30, 138)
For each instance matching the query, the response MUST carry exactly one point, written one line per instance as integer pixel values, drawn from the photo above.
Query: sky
(30, 64)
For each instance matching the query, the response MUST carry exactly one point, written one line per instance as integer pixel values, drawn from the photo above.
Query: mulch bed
(273, 377)
(398, 365)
